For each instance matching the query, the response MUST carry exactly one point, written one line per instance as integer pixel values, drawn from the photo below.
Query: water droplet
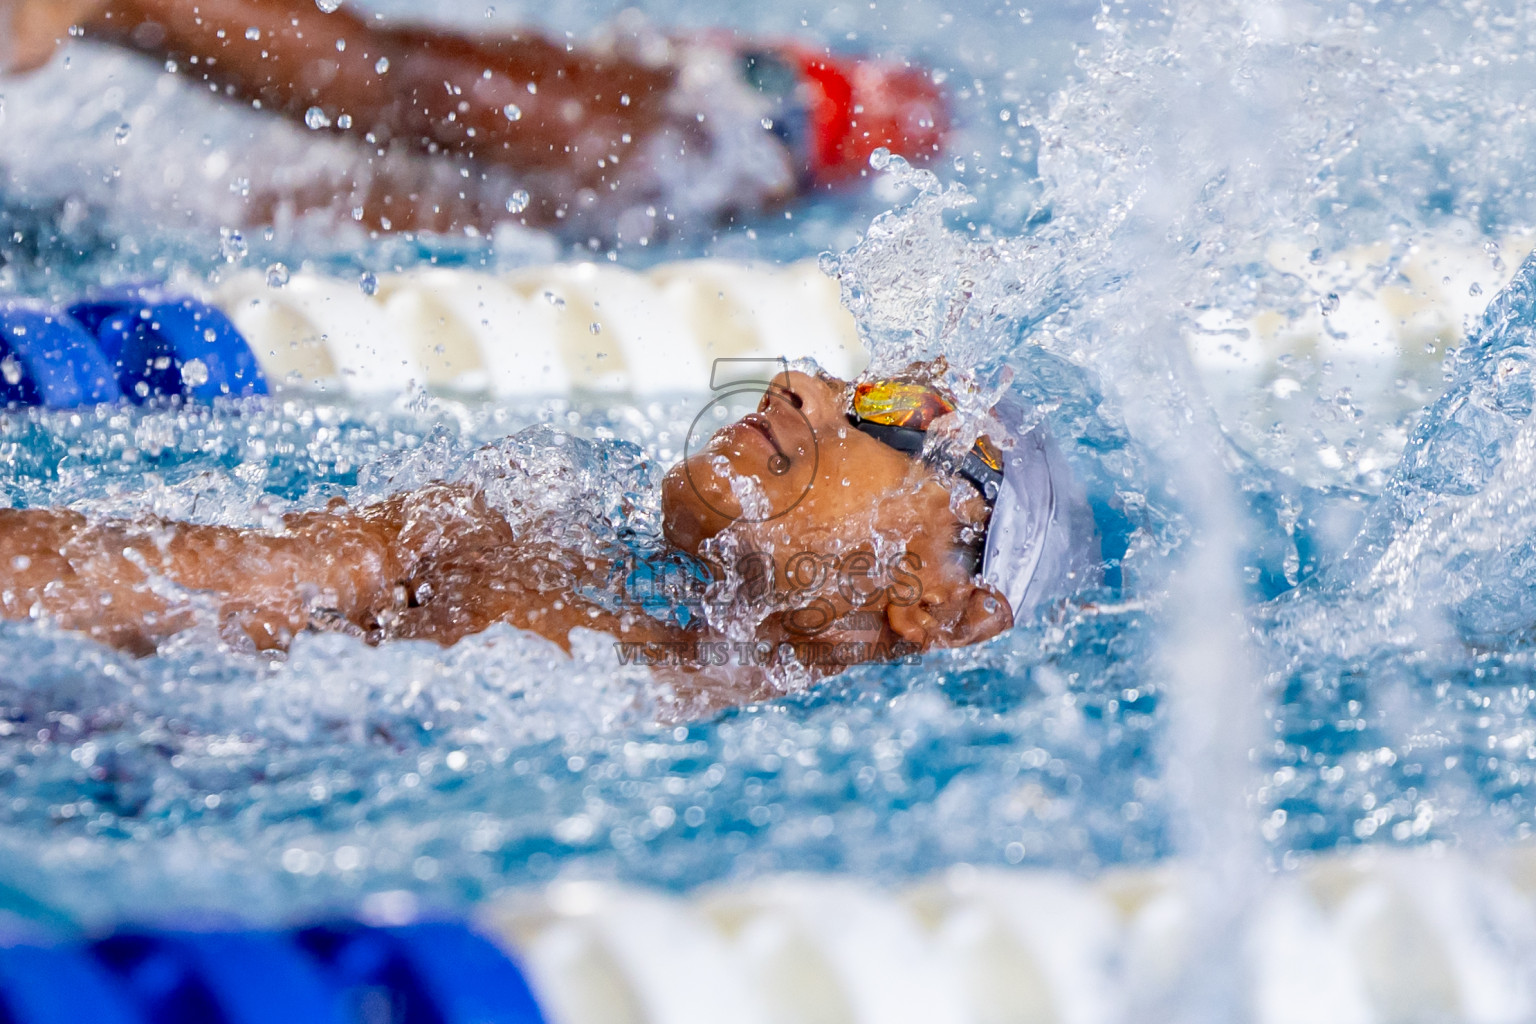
(960, 164)
(1475, 290)
(328, 6)
(880, 159)
(1329, 303)
(194, 373)
(232, 245)
(554, 300)
(767, 124)
(123, 131)
(10, 368)
(596, 328)
(382, 65)
(253, 33)
(512, 112)
(518, 201)
(344, 122)
(277, 275)
(210, 335)
(315, 118)
(368, 282)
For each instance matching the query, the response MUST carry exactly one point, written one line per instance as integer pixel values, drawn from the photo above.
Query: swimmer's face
(795, 480)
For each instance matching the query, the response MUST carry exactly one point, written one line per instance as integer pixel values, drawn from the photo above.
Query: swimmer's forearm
(45, 573)
(321, 571)
(274, 53)
(518, 99)
(133, 584)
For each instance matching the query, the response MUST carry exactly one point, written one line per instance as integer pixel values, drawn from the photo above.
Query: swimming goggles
(899, 413)
(1025, 548)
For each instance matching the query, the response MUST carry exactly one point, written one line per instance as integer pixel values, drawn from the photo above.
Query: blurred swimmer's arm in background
(704, 125)
(30, 30)
(521, 101)
(430, 89)
(518, 101)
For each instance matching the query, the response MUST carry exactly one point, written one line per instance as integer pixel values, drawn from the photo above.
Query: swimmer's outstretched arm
(433, 564)
(430, 88)
(573, 121)
(621, 136)
(127, 583)
(516, 100)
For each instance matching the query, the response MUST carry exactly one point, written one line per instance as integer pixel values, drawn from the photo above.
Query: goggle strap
(909, 441)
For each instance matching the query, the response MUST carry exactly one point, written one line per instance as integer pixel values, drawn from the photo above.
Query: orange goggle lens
(894, 403)
(987, 452)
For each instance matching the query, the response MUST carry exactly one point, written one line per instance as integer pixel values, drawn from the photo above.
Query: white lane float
(1384, 321)
(1380, 314)
(587, 327)
(1373, 937)
(1384, 315)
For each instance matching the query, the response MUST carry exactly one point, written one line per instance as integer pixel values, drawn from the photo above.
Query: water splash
(1198, 174)
(1170, 175)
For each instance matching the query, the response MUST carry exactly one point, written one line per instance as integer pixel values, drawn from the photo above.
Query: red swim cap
(855, 107)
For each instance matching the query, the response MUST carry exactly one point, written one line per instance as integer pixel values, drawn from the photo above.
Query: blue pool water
(1099, 200)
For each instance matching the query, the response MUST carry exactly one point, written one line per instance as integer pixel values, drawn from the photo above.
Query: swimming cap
(857, 106)
(833, 112)
(1041, 538)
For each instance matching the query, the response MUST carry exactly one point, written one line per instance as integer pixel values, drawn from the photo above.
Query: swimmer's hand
(31, 30)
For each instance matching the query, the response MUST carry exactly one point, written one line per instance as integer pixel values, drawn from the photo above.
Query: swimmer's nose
(857, 106)
(781, 390)
(815, 401)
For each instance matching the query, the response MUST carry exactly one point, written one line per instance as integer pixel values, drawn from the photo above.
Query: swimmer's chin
(689, 517)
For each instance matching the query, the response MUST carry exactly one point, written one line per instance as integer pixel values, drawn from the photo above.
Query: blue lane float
(48, 359)
(132, 344)
(425, 973)
(223, 977)
(170, 346)
(439, 972)
(41, 985)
